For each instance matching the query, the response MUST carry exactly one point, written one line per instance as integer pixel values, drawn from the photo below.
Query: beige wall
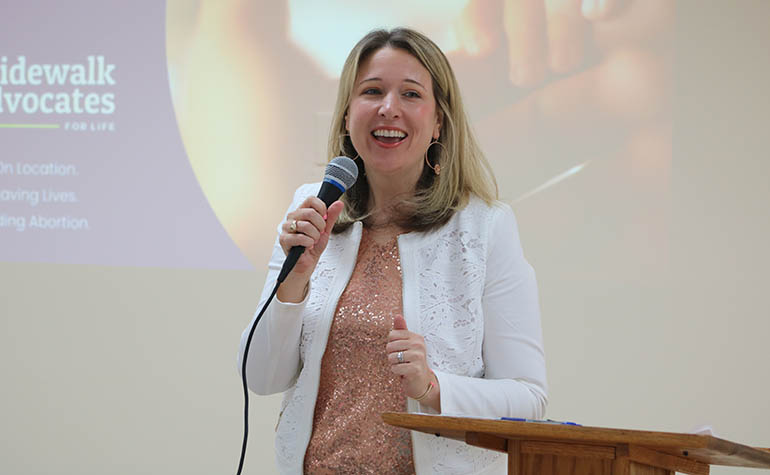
(659, 322)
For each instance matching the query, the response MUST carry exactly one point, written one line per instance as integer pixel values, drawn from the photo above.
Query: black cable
(243, 377)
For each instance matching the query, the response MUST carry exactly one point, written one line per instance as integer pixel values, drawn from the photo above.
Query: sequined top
(356, 383)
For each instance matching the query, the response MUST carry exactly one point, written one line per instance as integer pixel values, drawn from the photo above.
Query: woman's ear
(437, 127)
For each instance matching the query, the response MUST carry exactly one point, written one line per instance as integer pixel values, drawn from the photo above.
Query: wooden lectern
(551, 449)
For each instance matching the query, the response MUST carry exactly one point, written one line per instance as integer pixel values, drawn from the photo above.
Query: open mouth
(389, 136)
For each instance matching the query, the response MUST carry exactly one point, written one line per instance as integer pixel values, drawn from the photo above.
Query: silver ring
(293, 226)
(400, 356)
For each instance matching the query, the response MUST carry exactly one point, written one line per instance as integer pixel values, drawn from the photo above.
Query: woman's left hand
(413, 368)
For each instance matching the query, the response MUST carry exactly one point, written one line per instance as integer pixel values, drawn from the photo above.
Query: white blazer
(467, 289)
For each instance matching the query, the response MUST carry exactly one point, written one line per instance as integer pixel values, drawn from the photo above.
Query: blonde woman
(413, 294)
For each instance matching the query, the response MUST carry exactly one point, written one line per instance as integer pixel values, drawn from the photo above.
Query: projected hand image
(596, 103)
(556, 89)
(542, 37)
(247, 105)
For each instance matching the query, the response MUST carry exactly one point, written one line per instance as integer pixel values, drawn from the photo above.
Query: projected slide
(92, 169)
(151, 134)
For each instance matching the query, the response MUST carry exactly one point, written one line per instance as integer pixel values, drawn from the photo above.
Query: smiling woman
(413, 292)
(393, 81)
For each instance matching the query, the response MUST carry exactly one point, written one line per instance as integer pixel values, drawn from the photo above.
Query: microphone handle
(291, 260)
(330, 192)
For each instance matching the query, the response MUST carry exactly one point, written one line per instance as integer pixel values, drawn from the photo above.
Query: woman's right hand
(313, 226)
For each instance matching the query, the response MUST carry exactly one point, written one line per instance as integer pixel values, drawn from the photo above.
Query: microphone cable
(340, 174)
(243, 377)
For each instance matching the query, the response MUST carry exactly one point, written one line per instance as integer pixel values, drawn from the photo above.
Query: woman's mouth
(388, 136)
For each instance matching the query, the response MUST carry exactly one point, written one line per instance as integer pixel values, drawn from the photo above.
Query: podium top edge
(706, 447)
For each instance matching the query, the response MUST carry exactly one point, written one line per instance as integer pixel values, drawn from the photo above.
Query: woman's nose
(389, 107)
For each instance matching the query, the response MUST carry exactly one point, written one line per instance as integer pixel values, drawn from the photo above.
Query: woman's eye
(371, 90)
(412, 94)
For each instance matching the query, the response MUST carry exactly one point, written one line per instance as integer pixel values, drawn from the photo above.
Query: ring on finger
(293, 226)
(400, 356)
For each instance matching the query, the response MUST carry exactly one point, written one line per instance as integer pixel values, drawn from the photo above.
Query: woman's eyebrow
(369, 79)
(413, 81)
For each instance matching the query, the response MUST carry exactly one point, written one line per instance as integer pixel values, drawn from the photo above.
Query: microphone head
(342, 172)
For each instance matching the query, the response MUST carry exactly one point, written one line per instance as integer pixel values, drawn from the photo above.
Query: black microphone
(341, 174)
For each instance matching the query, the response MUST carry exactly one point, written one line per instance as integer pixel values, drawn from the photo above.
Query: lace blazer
(467, 289)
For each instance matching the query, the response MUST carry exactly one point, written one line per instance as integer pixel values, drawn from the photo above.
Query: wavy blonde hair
(464, 170)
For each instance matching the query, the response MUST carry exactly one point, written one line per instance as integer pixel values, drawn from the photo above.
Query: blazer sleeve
(514, 382)
(274, 362)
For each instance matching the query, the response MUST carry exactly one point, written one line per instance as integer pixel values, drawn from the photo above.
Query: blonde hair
(464, 170)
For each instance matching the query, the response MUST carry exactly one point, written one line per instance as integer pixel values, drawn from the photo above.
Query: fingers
(403, 340)
(331, 217)
(407, 369)
(407, 357)
(413, 368)
(333, 213)
(398, 344)
(311, 210)
(412, 361)
(303, 226)
(525, 27)
(301, 223)
(416, 355)
(289, 239)
(475, 27)
(595, 10)
(551, 35)
(566, 34)
(399, 322)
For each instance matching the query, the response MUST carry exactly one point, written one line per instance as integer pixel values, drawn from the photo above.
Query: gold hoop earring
(437, 167)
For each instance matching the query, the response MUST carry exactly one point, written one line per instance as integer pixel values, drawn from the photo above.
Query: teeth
(389, 133)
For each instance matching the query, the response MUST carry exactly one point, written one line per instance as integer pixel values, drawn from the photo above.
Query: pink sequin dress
(356, 382)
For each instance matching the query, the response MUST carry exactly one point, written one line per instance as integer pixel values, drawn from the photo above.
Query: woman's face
(392, 115)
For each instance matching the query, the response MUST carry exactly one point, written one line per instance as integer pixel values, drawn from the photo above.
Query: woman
(413, 293)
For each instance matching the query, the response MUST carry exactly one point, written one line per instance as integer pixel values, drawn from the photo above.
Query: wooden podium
(551, 449)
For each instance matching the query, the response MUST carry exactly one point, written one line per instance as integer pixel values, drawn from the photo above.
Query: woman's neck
(385, 198)
(382, 232)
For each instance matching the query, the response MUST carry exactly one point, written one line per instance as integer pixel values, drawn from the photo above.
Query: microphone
(341, 173)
